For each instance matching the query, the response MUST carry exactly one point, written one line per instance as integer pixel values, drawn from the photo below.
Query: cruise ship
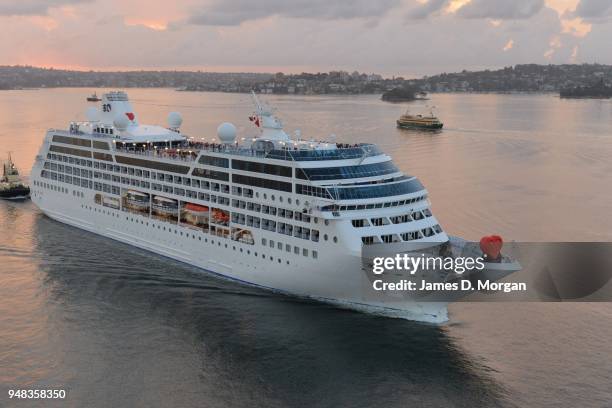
(300, 217)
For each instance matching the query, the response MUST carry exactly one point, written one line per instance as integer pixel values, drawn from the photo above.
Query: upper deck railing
(190, 151)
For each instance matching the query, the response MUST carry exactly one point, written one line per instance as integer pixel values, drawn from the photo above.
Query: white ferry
(300, 217)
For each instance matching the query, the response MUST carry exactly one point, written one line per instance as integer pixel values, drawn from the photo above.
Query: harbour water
(116, 326)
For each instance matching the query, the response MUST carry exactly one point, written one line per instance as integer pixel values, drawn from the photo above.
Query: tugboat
(93, 98)
(11, 187)
(408, 121)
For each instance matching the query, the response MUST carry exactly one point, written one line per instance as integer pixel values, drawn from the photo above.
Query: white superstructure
(301, 217)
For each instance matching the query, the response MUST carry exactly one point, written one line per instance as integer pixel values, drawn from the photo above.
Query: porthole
(326, 222)
(335, 239)
(325, 237)
(280, 199)
(289, 200)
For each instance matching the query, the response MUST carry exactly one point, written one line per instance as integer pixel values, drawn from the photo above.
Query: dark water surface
(116, 326)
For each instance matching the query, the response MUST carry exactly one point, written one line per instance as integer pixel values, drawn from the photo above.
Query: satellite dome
(92, 114)
(121, 122)
(226, 132)
(175, 120)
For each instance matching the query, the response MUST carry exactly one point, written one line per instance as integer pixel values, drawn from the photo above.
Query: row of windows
(100, 145)
(104, 130)
(338, 208)
(62, 168)
(262, 183)
(271, 169)
(402, 237)
(214, 161)
(54, 187)
(211, 174)
(313, 191)
(71, 160)
(266, 209)
(151, 164)
(66, 179)
(175, 179)
(364, 150)
(273, 226)
(70, 150)
(103, 156)
(296, 249)
(397, 219)
(346, 172)
(72, 141)
(381, 190)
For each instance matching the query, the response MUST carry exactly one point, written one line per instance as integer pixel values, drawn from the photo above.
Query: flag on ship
(254, 119)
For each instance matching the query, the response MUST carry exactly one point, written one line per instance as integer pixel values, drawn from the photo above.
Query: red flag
(255, 120)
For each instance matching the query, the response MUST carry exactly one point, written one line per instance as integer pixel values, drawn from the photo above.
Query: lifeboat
(137, 200)
(220, 217)
(165, 206)
(196, 208)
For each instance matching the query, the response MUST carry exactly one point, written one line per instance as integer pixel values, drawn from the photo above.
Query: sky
(391, 37)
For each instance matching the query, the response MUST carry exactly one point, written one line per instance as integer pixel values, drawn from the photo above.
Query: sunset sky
(391, 37)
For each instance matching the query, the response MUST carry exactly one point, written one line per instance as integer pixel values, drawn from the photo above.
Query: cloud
(597, 11)
(235, 12)
(501, 9)
(508, 45)
(574, 55)
(32, 7)
(422, 11)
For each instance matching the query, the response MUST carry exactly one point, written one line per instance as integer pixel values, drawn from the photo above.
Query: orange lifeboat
(196, 207)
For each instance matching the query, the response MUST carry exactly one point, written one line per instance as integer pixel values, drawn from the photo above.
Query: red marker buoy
(491, 246)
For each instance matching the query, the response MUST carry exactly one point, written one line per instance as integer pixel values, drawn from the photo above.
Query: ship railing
(189, 151)
(188, 156)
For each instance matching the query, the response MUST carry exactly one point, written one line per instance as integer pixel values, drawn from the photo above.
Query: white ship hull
(334, 279)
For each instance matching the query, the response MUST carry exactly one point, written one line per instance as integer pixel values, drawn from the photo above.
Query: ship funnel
(114, 105)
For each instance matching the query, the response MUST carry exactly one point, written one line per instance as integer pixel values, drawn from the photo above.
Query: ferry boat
(93, 98)
(11, 186)
(408, 121)
(299, 217)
